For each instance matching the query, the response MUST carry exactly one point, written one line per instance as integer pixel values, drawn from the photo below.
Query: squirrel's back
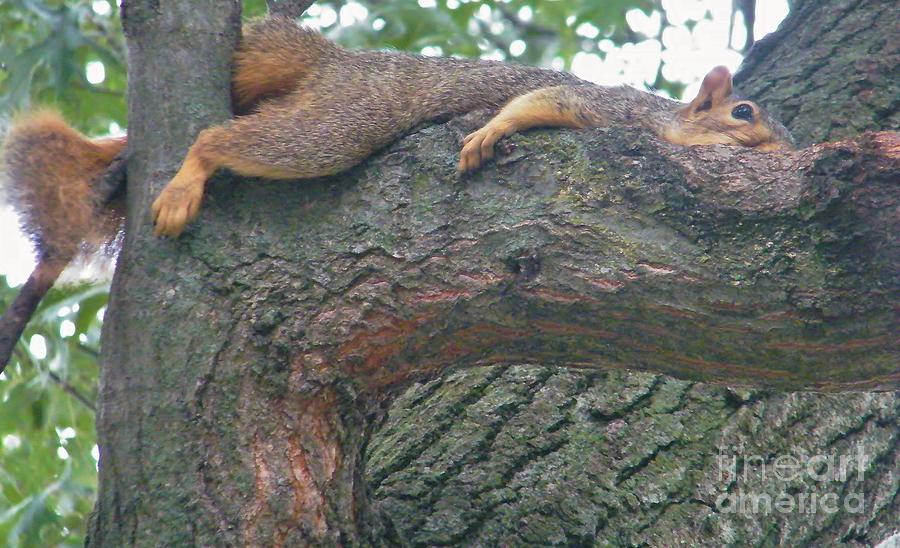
(274, 55)
(277, 58)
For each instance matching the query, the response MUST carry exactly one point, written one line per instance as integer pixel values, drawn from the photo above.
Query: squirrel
(309, 108)
(305, 107)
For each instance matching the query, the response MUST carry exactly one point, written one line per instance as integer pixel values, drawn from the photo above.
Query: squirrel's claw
(177, 205)
(478, 146)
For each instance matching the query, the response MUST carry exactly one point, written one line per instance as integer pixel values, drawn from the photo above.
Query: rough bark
(247, 363)
(538, 455)
(830, 71)
(300, 307)
(526, 453)
(179, 56)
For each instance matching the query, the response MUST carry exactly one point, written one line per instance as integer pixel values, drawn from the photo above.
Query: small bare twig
(64, 384)
(525, 26)
(747, 8)
(72, 391)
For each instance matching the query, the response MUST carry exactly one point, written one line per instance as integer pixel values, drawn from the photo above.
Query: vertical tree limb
(288, 8)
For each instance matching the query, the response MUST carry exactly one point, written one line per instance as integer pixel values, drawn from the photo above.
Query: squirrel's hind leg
(289, 140)
(274, 58)
(179, 202)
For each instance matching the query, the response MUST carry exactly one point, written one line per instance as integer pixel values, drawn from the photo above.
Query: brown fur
(50, 167)
(320, 109)
(308, 108)
(262, 71)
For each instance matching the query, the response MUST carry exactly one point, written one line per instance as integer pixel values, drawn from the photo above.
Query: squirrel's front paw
(478, 147)
(176, 206)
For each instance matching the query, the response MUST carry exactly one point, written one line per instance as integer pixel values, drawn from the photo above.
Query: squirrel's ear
(714, 90)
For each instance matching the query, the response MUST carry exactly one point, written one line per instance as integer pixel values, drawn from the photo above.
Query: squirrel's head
(717, 117)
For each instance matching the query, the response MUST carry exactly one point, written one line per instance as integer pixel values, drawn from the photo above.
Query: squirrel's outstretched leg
(180, 200)
(293, 138)
(556, 106)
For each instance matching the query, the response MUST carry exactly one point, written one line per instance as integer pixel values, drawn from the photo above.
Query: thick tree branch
(604, 249)
(589, 249)
(315, 301)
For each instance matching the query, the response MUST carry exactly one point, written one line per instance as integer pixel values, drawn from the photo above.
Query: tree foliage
(45, 49)
(48, 475)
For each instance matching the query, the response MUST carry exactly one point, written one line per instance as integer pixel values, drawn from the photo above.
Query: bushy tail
(274, 56)
(49, 170)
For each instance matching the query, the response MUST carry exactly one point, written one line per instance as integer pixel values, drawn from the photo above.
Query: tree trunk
(179, 59)
(247, 363)
(830, 71)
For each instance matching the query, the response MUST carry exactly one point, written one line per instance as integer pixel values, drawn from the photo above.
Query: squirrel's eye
(743, 112)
